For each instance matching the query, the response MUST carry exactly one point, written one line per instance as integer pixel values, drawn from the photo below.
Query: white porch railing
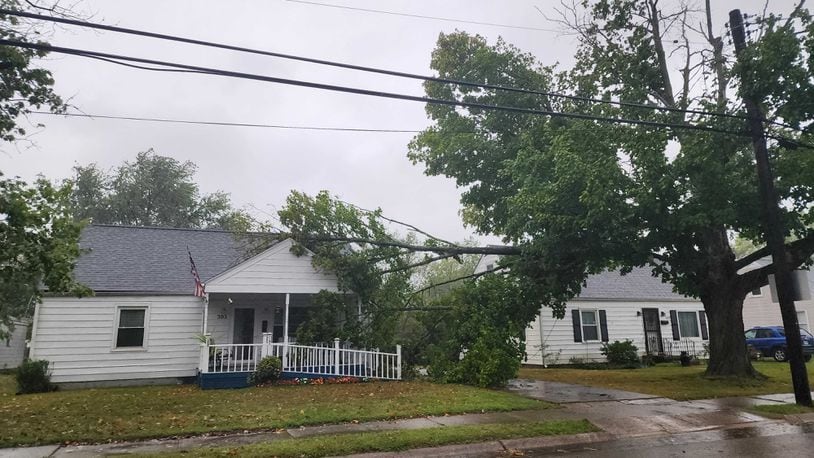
(313, 360)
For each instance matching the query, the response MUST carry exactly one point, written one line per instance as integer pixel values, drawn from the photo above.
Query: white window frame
(697, 325)
(117, 321)
(805, 316)
(596, 325)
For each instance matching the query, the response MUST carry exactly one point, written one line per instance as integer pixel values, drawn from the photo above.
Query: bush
(33, 377)
(268, 370)
(621, 353)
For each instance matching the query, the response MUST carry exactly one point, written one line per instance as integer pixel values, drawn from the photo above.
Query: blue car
(771, 341)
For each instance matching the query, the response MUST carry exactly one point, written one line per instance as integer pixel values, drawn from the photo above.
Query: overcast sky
(259, 166)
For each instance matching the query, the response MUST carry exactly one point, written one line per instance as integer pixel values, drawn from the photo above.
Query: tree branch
(655, 25)
(465, 277)
(419, 264)
(752, 257)
(797, 253)
(451, 250)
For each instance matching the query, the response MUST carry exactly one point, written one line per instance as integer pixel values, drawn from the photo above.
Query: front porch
(229, 365)
(243, 328)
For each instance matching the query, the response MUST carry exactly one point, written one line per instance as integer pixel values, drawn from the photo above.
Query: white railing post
(398, 362)
(336, 356)
(203, 361)
(266, 349)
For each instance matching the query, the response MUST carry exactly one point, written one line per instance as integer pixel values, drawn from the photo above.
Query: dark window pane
(131, 319)
(130, 337)
(590, 333)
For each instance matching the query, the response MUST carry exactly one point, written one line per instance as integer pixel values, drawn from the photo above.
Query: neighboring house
(144, 323)
(636, 307)
(761, 307)
(12, 348)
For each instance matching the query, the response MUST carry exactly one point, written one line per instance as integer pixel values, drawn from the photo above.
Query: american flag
(199, 286)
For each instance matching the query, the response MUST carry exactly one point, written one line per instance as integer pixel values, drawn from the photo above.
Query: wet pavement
(567, 392)
(762, 440)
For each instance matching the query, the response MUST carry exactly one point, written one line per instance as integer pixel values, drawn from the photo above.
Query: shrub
(621, 353)
(33, 377)
(268, 370)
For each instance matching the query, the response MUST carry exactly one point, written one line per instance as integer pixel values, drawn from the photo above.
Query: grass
(781, 409)
(392, 441)
(673, 381)
(100, 415)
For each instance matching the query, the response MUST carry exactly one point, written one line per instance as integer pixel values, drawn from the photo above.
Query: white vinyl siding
(557, 335)
(276, 270)
(762, 311)
(77, 336)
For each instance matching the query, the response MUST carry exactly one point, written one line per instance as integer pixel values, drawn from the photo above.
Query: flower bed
(320, 381)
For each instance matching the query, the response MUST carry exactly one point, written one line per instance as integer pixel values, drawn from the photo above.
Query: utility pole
(774, 230)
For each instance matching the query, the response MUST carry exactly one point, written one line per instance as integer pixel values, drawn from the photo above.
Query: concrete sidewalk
(619, 414)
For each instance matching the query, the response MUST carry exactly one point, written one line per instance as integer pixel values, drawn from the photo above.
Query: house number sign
(221, 316)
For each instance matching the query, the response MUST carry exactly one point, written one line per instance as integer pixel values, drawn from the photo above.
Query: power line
(224, 123)
(421, 16)
(360, 91)
(364, 68)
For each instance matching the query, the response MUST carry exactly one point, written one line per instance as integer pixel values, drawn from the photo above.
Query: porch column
(285, 319)
(205, 316)
(285, 331)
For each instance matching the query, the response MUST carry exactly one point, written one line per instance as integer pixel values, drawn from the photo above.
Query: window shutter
(577, 325)
(674, 322)
(603, 325)
(702, 318)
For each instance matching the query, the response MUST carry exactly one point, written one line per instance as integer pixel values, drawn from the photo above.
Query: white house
(636, 306)
(12, 348)
(761, 307)
(145, 324)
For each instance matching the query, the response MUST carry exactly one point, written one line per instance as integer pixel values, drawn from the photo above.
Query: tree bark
(727, 345)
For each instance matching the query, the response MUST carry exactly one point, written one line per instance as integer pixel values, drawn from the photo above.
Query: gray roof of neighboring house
(155, 260)
(639, 285)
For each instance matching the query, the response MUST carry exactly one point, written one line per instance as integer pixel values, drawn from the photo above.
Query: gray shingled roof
(155, 260)
(639, 284)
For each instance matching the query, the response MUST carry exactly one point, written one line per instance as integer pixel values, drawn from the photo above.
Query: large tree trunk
(727, 345)
(722, 293)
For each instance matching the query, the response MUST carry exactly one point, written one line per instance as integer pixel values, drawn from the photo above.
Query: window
(750, 334)
(590, 325)
(688, 324)
(756, 292)
(130, 331)
(766, 334)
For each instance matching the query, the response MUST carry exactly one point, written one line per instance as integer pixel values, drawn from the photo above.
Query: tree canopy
(23, 85)
(152, 190)
(581, 196)
(39, 241)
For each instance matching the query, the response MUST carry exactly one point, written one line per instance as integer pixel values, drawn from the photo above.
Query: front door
(652, 331)
(244, 326)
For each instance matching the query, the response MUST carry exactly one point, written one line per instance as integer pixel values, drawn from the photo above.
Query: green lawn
(781, 409)
(100, 415)
(391, 441)
(673, 381)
